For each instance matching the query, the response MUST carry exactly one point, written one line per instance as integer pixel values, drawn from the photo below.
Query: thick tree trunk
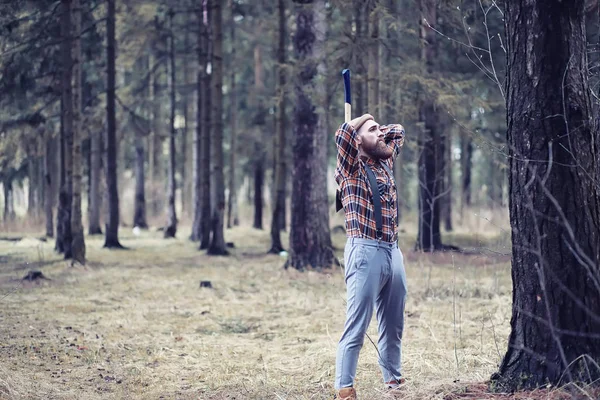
(280, 156)
(448, 181)
(50, 176)
(373, 54)
(155, 139)
(206, 215)
(111, 237)
(217, 245)
(232, 217)
(359, 103)
(66, 189)
(431, 157)
(466, 155)
(78, 241)
(9, 201)
(198, 174)
(59, 246)
(554, 148)
(185, 150)
(95, 197)
(139, 207)
(171, 227)
(259, 175)
(310, 238)
(260, 122)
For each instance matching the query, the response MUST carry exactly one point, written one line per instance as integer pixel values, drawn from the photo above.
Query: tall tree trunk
(310, 238)
(9, 200)
(260, 121)
(373, 54)
(259, 175)
(139, 207)
(360, 93)
(78, 241)
(431, 158)
(466, 155)
(199, 135)
(32, 173)
(217, 245)
(448, 180)
(50, 176)
(95, 197)
(155, 139)
(171, 228)
(554, 199)
(206, 215)
(280, 156)
(59, 244)
(67, 130)
(232, 217)
(185, 184)
(111, 237)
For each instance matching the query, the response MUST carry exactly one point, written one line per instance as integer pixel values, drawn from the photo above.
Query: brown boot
(348, 393)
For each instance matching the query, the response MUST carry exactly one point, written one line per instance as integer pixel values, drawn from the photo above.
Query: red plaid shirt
(355, 190)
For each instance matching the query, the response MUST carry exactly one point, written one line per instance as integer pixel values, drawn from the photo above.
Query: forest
(168, 224)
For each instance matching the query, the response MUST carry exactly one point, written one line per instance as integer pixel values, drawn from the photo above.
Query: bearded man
(373, 263)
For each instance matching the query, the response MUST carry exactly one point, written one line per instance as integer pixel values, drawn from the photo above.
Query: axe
(347, 118)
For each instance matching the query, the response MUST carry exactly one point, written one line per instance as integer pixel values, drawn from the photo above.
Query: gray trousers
(375, 278)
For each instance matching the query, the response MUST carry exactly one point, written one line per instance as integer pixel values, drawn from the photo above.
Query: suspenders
(372, 180)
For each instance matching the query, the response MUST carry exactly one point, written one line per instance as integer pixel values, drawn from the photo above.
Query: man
(374, 267)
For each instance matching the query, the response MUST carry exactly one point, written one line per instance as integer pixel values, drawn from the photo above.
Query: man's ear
(358, 138)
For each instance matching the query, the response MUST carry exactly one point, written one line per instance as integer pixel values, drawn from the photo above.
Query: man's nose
(379, 134)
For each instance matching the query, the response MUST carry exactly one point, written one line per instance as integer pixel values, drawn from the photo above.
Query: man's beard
(380, 151)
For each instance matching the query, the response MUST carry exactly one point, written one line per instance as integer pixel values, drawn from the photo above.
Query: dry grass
(135, 324)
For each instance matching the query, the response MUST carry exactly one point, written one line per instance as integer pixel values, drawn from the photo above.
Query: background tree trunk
(260, 122)
(466, 155)
(111, 237)
(50, 180)
(206, 216)
(78, 241)
(555, 256)
(280, 156)
(95, 199)
(199, 135)
(232, 200)
(448, 181)
(310, 239)
(217, 245)
(431, 158)
(139, 207)
(373, 54)
(67, 130)
(171, 227)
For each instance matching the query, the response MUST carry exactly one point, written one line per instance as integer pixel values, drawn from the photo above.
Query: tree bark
(199, 135)
(310, 238)
(466, 155)
(280, 156)
(259, 175)
(373, 54)
(50, 176)
(206, 215)
(185, 151)
(448, 181)
(431, 157)
(111, 237)
(9, 201)
(359, 90)
(139, 208)
(217, 245)
(171, 227)
(260, 122)
(553, 143)
(67, 131)
(78, 241)
(232, 217)
(95, 199)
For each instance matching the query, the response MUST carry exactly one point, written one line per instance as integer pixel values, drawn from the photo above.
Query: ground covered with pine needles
(135, 324)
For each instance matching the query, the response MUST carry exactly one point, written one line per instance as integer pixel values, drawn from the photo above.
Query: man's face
(371, 141)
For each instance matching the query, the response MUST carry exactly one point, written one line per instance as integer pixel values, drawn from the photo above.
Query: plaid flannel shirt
(355, 190)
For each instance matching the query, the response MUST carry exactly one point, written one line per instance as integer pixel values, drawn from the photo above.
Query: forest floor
(135, 324)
